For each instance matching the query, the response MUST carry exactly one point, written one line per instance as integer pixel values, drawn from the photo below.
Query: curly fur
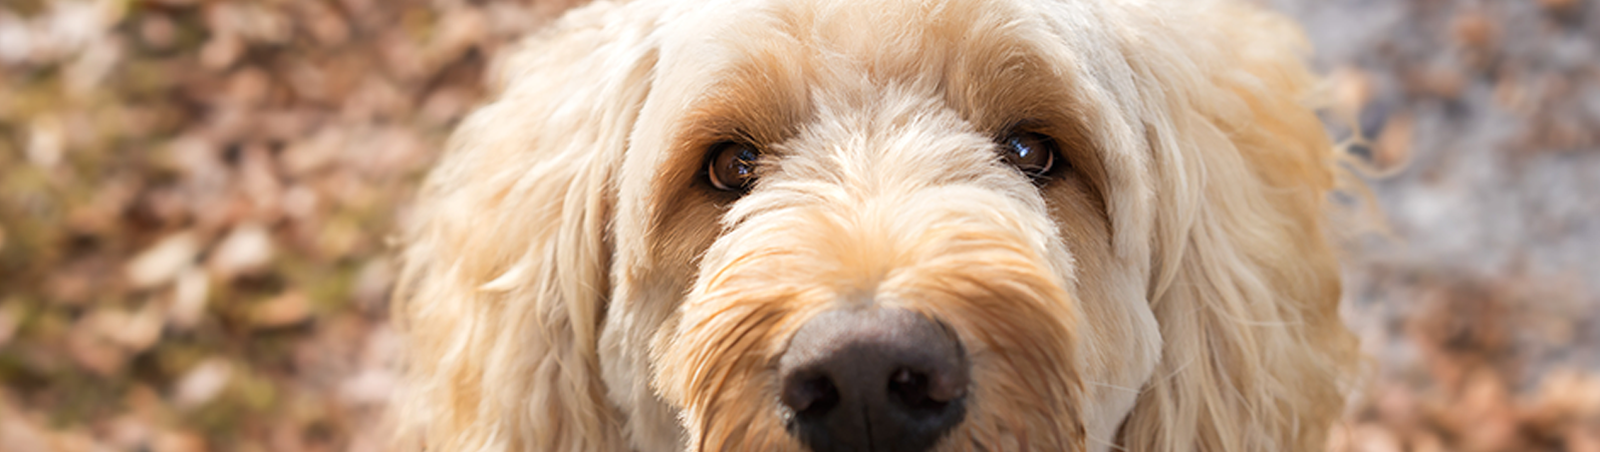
(572, 284)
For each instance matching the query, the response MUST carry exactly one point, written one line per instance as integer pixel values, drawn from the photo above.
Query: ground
(196, 197)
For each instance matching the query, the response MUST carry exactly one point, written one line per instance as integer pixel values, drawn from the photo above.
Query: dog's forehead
(768, 64)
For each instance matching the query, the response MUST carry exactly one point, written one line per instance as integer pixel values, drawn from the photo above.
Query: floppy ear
(506, 266)
(1245, 285)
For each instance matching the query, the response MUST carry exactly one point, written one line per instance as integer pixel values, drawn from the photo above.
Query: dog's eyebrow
(756, 102)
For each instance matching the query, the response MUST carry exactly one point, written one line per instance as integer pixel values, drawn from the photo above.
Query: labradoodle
(882, 225)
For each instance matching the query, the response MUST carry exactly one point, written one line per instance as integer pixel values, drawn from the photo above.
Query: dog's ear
(1245, 285)
(505, 273)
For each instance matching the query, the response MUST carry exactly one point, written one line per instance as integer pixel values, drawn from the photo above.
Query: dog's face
(798, 160)
(891, 225)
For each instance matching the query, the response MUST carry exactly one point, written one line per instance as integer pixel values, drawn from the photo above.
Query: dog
(882, 225)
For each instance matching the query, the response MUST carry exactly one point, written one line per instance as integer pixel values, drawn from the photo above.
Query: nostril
(911, 389)
(918, 392)
(810, 396)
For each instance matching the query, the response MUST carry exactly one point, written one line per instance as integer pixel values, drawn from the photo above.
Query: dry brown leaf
(371, 387)
(248, 87)
(1398, 407)
(324, 23)
(134, 331)
(1373, 438)
(1474, 29)
(255, 22)
(372, 284)
(46, 141)
(1351, 88)
(22, 435)
(1484, 415)
(162, 262)
(1561, 6)
(129, 432)
(10, 317)
(90, 348)
(284, 310)
(315, 153)
(202, 384)
(179, 441)
(300, 202)
(89, 70)
(189, 299)
(157, 31)
(458, 31)
(246, 250)
(1583, 438)
(1427, 442)
(1392, 148)
(221, 51)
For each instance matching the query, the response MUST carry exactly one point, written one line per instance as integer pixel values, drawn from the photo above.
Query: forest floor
(195, 199)
(1480, 302)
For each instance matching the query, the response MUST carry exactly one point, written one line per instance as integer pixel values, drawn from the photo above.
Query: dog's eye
(1032, 153)
(732, 166)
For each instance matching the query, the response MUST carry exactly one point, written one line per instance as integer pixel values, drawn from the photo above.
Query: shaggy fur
(572, 283)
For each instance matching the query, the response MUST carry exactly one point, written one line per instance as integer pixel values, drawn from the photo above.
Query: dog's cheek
(712, 361)
(1121, 341)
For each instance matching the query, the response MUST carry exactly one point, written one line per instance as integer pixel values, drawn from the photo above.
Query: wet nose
(881, 379)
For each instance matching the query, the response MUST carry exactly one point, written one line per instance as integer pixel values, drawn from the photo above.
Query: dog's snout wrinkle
(880, 379)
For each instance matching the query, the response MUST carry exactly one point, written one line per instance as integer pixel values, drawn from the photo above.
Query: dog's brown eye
(1032, 153)
(732, 166)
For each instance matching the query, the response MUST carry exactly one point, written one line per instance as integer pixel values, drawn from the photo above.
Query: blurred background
(196, 198)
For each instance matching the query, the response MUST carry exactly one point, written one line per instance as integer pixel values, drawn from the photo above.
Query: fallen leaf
(370, 387)
(10, 317)
(134, 331)
(246, 250)
(90, 348)
(1351, 89)
(1561, 6)
(248, 87)
(89, 70)
(1392, 148)
(46, 141)
(315, 153)
(1474, 29)
(189, 299)
(202, 383)
(285, 310)
(22, 436)
(129, 432)
(157, 31)
(162, 262)
(1373, 438)
(1427, 442)
(179, 441)
(372, 285)
(221, 51)
(1582, 438)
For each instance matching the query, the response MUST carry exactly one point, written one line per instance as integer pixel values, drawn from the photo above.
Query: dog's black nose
(878, 379)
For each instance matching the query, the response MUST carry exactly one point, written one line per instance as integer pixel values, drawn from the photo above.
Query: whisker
(1112, 386)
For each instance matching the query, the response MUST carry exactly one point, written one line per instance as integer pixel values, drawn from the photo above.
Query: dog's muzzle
(879, 379)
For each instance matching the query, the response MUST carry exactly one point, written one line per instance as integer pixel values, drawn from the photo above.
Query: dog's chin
(972, 263)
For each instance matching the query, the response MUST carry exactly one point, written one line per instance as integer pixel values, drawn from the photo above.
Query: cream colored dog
(887, 225)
